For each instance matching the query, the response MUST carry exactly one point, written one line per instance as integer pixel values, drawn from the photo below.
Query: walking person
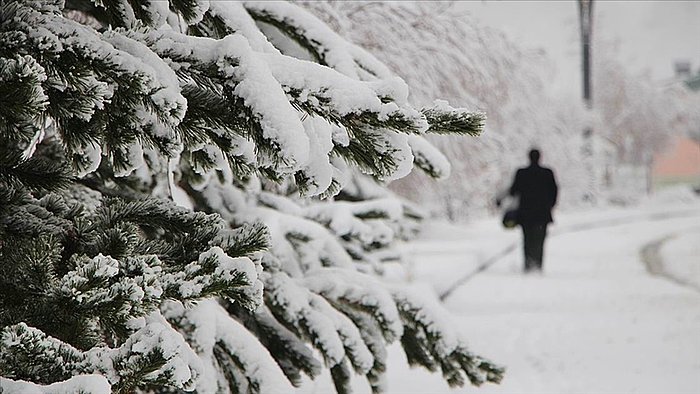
(536, 189)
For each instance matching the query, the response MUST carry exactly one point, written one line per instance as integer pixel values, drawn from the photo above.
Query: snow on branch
(327, 47)
(430, 341)
(444, 119)
(97, 92)
(429, 158)
(227, 348)
(303, 244)
(331, 332)
(154, 355)
(228, 17)
(343, 100)
(358, 219)
(292, 354)
(238, 68)
(359, 291)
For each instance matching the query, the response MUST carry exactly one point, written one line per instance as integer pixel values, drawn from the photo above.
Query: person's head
(534, 156)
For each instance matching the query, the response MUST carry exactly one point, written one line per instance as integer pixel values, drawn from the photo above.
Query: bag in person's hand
(510, 210)
(510, 218)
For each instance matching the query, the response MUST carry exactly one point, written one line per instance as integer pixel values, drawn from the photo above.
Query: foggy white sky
(651, 35)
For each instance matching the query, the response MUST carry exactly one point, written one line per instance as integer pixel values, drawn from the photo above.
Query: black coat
(537, 190)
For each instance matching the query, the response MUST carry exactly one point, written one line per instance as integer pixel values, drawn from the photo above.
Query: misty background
(520, 63)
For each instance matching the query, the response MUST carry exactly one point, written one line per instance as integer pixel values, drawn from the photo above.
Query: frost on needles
(191, 199)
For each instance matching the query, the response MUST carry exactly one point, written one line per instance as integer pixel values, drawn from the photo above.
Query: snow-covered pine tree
(112, 109)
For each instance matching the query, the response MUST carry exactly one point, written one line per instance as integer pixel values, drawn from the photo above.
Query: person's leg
(528, 251)
(539, 234)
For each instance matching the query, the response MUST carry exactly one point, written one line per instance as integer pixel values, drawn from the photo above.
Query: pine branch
(188, 9)
(120, 14)
(22, 98)
(216, 274)
(290, 353)
(319, 103)
(447, 120)
(244, 240)
(296, 33)
(154, 213)
(341, 375)
(372, 335)
(36, 173)
(428, 343)
(28, 354)
(210, 26)
(367, 152)
(235, 377)
(207, 83)
(425, 164)
(97, 91)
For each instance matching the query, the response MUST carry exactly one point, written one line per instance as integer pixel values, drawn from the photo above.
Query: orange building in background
(678, 164)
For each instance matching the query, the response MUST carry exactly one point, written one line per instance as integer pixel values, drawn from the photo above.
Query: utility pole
(585, 8)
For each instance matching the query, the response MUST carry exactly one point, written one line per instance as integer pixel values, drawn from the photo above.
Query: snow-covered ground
(596, 321)
(677, 251)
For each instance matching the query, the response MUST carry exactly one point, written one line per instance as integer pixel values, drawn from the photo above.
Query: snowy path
(653, 260)
(596, 322)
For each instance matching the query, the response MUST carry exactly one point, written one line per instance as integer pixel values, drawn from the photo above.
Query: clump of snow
(182, 367)
(168, 96)
(92, 154)
(337, 53)
(235, 16)
(394, 87)
(198, 276)
(403, 156)
(344, 218)
(321, 245)
(252, 81)
(340, 135)
(357, 289)
(262, 93)
(425, 154)
(98, 268)
(347, 95)
(131, 159)
(159, 11)
(300, 307)
(199, 10)
(318, 169)
(430, 314)
(229, 265)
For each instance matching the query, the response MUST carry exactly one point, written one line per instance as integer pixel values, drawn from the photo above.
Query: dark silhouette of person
(536, 189)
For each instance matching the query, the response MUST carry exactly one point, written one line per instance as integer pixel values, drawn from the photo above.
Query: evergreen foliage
(111, 110)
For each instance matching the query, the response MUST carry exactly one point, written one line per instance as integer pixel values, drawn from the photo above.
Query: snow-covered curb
(680, 256)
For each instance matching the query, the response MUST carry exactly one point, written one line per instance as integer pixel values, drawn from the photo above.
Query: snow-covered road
(596, 322)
